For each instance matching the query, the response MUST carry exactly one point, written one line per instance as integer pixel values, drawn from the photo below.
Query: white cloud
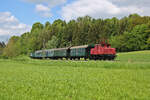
(10, 25)
(94, 8)
(43, 10)
(41, 7)
(138, 3)
(104, 8)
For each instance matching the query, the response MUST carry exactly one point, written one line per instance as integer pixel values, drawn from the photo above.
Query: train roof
(38, 51)
(57, 49)
(74, 47)
(83, 46)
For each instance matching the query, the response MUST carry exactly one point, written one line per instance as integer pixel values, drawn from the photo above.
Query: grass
(127, 78)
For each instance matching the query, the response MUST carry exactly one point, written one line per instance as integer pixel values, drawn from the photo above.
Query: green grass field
(126, 78)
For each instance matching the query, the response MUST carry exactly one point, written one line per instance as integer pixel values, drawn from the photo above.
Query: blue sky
(25, 11)
(17, 16)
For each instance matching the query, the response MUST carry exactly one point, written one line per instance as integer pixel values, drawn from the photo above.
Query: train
(101, 51)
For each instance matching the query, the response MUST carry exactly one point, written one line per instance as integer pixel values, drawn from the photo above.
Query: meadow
(126, 78)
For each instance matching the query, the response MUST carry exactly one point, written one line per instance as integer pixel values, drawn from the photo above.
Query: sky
(18, 16)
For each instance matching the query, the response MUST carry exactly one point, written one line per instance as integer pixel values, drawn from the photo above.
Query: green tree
(11, 49)
(53, 43)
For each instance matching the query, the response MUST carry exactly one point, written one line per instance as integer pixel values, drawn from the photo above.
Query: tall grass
(126, 78)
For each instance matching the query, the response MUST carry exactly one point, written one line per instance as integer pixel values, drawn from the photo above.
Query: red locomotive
(103, 51)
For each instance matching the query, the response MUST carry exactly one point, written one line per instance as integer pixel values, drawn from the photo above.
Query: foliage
(12, 50)
(127, 34)
(137, 39)
(53, 43)
(148, 42)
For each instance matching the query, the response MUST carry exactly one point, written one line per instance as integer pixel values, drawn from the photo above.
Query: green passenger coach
(57, 53)
(39, 54)
(80, 51)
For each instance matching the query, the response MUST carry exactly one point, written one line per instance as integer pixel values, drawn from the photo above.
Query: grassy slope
(127, 78)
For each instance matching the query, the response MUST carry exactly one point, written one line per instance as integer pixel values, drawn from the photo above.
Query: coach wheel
(95, 58)
(113, 58)
(99, 58)
(104, 58)
(90, 58)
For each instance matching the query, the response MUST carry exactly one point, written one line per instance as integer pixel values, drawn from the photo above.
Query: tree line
(126, 34)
